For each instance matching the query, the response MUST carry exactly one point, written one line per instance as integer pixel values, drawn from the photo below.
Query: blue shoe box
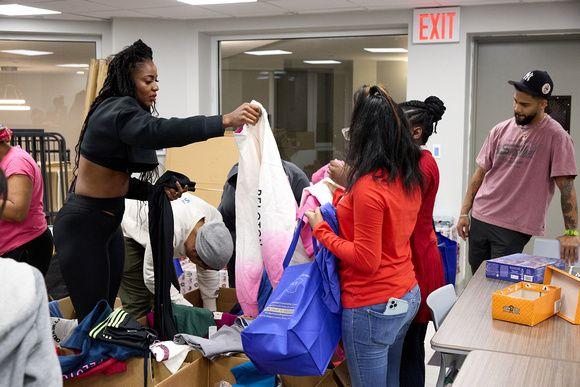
(520, 267)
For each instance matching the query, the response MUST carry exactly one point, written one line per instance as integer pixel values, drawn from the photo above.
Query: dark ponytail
(119, 82)
(380, 140)
(424, 114)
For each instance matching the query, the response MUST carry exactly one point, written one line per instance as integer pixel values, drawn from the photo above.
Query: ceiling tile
(474, 2)
(305, 6)
(137, 5)
(70, 6)
(26, 2)
(247, 9)
(117, 13)
(184, 12)
(76, 17)
(172, 9)
(392, 4)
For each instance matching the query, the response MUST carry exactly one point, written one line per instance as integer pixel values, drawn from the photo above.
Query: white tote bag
(265, 212)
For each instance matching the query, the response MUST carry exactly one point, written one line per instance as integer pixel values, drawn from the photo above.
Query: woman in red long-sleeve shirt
(376, 216)
(423, 118)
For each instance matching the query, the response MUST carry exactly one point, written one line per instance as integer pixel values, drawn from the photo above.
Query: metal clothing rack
(50, 153)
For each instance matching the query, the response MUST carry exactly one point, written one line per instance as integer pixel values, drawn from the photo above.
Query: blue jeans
(373, 342)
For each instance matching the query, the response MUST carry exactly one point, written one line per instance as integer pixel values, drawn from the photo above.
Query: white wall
(393, 75)
(37, 28)
(171, 42)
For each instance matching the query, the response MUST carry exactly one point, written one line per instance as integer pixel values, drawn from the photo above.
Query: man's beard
(524, 120)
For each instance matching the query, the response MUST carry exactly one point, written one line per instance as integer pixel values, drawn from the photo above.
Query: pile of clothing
(100, 343)
(214, 334)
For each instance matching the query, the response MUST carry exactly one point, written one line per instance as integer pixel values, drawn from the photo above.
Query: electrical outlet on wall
(437, 151)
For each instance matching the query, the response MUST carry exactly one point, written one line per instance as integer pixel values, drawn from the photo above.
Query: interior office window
(559, 107)
(306, 85)
(42, 85)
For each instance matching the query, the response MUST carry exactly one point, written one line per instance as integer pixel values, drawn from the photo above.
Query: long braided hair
(425, 114)
(119, 83)
(380, 140)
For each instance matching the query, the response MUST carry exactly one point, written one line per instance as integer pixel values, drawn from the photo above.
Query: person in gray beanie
(213, 244)
(199, 234)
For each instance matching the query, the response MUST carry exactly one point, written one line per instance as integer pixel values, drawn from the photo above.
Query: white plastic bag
(265, 212)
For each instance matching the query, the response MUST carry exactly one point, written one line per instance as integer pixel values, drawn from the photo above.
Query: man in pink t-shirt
(518, 167)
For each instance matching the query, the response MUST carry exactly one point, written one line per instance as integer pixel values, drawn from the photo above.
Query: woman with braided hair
(119, 137)
(423, 118)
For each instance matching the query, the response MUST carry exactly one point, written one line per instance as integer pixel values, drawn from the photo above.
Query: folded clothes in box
(525, 303)
(520, 267)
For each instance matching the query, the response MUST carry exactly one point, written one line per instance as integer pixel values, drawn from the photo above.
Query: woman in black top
(119, 137)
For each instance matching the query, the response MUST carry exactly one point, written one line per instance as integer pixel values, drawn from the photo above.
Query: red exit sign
(436, 25)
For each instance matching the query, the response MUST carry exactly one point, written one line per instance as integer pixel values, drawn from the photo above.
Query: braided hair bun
(436, 107)
(425, 114)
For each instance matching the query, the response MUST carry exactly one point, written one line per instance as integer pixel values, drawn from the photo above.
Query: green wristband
(571, 232)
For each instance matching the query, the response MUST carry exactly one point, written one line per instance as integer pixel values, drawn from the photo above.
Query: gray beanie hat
(214, 245)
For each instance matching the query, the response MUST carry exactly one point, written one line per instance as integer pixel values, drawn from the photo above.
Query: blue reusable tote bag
(448, 249)
(299, 329)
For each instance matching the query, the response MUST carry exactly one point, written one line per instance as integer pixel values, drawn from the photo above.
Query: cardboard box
(520, 267)
(207, 373)
(525, 303)
(305, 140)
(341, 375)
(326, 380)
(156, 372)
(157, 375)
(225, 302)
(68, 311)
(570, 287)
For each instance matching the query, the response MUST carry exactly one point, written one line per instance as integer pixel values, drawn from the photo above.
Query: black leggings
(90, 249)
(412, 372)
(37, 252)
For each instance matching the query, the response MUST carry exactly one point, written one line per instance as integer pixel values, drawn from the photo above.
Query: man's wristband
(571, 232)
(464, 216)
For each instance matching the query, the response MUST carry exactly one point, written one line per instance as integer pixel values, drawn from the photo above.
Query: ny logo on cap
(528, 76)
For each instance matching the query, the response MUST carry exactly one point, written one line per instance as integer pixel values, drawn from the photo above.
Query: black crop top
(122, 136)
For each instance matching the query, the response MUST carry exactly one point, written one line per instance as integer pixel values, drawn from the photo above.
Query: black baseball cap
(536, 82)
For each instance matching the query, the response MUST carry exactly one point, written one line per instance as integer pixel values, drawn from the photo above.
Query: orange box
(526, 303)
(570, 285)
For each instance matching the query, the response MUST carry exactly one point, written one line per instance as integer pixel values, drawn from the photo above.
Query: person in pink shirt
(25, 236)
(518, 167)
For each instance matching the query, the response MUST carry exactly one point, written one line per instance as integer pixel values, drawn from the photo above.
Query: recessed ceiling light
(27, 52)
(326, 61)
(268, 52)
(15, 107)
(211, 2)
(387, 50)
(23, 10)
(12, 102)
(73, 65)
(80, 72)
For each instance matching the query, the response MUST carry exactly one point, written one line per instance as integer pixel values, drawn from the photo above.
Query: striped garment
(115, 320)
